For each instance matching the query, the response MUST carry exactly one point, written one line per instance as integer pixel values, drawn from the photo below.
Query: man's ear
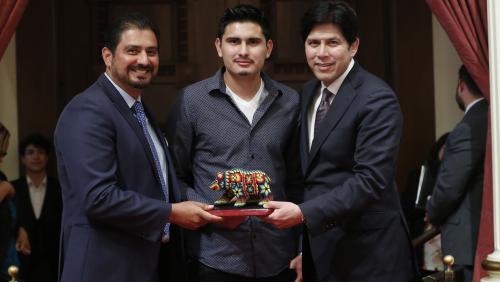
(269, 46)
(218, 43)
(353, 49)
(107, 56)
(461, 85)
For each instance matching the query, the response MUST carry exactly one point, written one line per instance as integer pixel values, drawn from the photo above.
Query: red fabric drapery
(10, 14)
(465, 22)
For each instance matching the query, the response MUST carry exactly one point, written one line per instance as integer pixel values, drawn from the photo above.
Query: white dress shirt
(334, 88)
(37, 195)
(472, 104)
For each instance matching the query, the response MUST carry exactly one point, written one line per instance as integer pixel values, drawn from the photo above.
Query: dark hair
(4, 136)
(464, 76)
(37, 140)
(244, 13)
(114, 31)
(337, 13)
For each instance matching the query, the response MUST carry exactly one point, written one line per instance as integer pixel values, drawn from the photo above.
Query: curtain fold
(11, 12)
(465, 22)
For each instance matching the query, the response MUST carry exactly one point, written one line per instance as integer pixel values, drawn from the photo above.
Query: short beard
(460, 102)
(140, 85)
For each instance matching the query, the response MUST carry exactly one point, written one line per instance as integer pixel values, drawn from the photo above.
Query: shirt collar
(128, 99)
(30, 182)
(335, 86)
(216, 82)
(472, 104)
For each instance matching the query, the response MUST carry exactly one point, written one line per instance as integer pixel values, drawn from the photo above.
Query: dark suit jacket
(456, 201)
(352, 213)
(114, 208)
(43, 233)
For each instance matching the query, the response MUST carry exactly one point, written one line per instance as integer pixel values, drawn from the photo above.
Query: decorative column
(492, 262)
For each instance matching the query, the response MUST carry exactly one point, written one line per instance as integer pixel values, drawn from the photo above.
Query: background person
(12, 237)
(456, 201)
(39, 208)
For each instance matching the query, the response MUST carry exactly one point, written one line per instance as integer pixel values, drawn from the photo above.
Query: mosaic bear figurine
(244, 186)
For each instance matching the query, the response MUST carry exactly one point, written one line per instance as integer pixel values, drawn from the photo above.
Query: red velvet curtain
(465, 23)
(10, 14)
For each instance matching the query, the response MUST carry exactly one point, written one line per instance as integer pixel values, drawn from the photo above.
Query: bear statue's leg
(225, 198)
(264, 194)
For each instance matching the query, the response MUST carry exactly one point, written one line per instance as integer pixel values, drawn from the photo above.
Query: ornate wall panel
(396, 44)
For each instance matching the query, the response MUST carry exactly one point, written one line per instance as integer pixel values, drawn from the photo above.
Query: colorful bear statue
(242, 186)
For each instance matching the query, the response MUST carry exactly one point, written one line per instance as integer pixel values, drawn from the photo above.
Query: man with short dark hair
(119, 187)
(238, 118)
(39, 207)
(456, 201)
(354, 229)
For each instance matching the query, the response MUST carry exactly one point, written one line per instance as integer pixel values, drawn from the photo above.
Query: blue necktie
(141, 117)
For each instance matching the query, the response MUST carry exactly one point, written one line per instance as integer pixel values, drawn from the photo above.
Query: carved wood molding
(173, 31)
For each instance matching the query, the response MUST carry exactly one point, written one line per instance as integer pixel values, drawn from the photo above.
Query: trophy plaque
(245, 193)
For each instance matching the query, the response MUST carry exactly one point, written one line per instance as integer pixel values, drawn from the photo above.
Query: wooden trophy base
(248, 210)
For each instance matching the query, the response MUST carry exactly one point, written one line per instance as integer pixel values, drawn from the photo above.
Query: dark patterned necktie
(323, 107)
(139, 113)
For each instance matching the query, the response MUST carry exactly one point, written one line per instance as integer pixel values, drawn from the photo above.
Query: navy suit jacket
(456, 200)
(43, 233)
(353, 220)
(114, 208)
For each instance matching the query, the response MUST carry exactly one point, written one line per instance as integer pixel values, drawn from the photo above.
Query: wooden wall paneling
(415, 82)
(374, 32)
(36, 55)
(256, 3)
(203, 20)
(76, 54)
(232, 3)
(58, 52)
(288, 63)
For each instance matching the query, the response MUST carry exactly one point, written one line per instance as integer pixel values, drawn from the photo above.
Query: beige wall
(8, 108)
(446, 64)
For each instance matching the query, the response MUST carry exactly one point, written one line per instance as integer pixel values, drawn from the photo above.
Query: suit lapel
(127, 114)
(46, 200)
(340, 104)
(310, 89)
(25, 197)
(50, 198)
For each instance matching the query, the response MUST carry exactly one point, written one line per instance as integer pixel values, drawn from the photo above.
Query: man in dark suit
(39, 207)
(455, 204)
(354, 229)
(119, 189)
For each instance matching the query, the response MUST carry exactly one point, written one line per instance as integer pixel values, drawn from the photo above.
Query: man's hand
(285, 214)
(6, 190)
(192, 215)
(296, 264)
(231, 222)
(23, 243)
